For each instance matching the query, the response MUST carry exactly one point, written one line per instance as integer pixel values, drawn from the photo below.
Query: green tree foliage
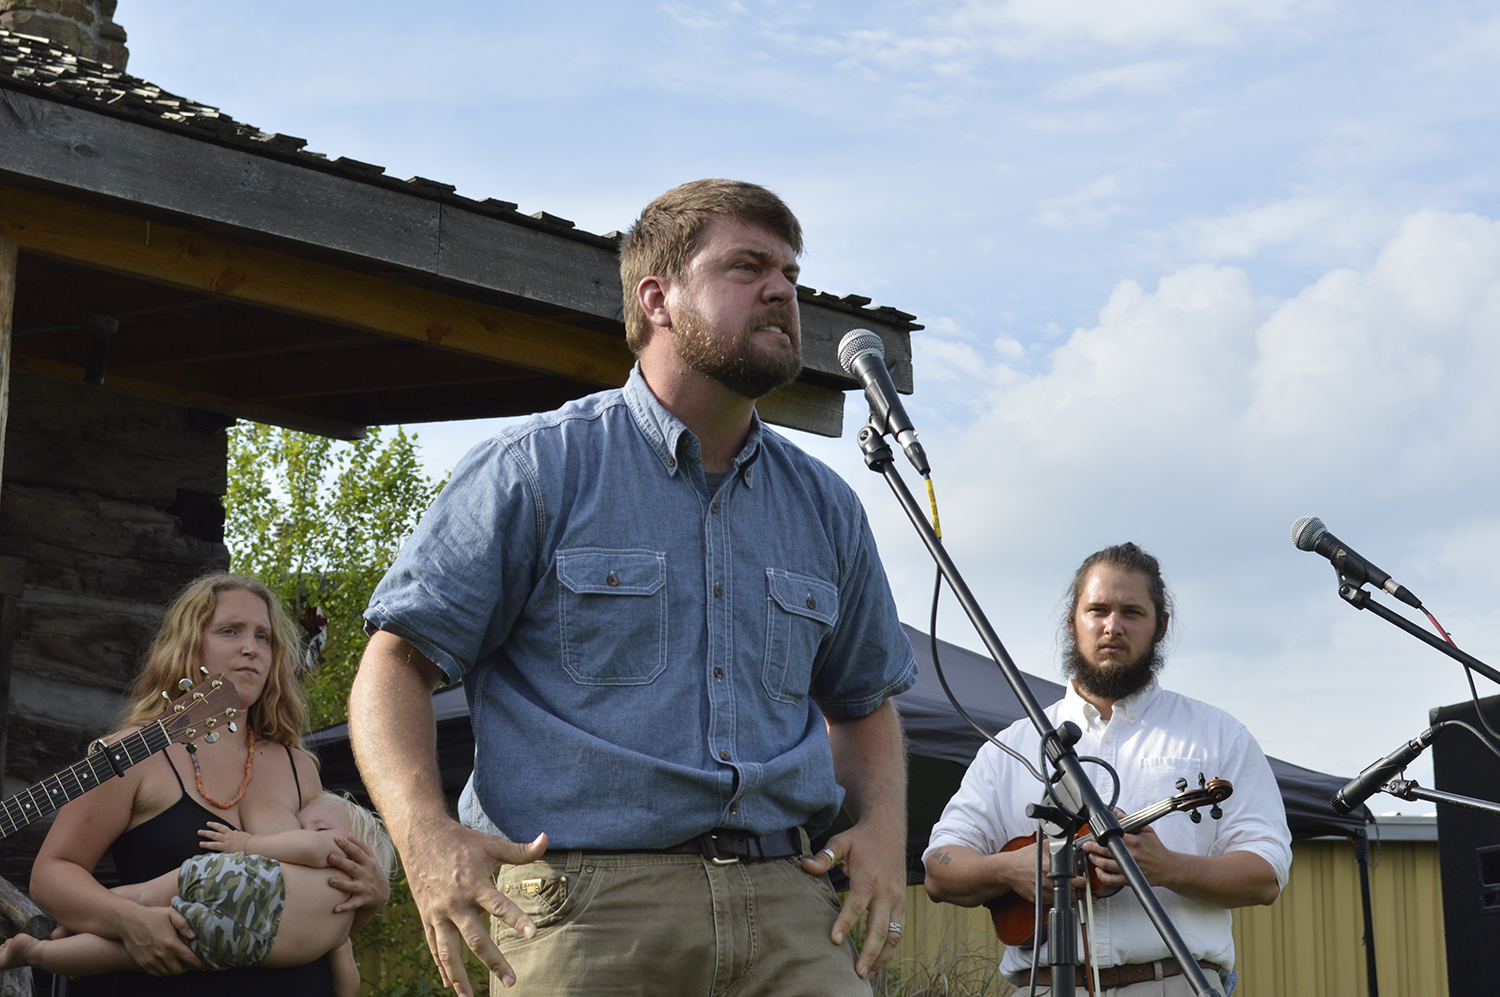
(319, 522)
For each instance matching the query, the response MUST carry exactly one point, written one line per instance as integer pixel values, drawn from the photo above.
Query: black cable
(1479, 712)
(1469, 727)
(937, 666)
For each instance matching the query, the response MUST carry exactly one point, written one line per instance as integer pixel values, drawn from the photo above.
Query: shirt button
(614, 579)
(714, 508)
(718, 590)
(671, 462)
(812, 603)
(724, 755)
(734, 806)
(718, 673)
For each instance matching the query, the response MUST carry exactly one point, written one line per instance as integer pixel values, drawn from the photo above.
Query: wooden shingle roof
(232, 269)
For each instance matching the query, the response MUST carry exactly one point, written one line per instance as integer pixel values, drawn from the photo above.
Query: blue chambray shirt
(645, 660)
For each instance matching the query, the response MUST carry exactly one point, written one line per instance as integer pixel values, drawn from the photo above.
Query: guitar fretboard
(45, 797)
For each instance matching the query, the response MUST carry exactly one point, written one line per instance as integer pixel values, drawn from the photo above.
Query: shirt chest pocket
(612, 615)
(800, 612)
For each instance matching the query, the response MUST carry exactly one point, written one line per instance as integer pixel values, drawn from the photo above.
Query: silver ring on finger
(894, 928)
(831, 857)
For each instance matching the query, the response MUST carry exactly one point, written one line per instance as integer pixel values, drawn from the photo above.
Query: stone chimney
(84, 27)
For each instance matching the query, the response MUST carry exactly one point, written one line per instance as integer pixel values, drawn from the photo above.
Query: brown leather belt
(1111, 977)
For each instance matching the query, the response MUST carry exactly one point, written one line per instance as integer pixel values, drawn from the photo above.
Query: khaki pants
(669, 925)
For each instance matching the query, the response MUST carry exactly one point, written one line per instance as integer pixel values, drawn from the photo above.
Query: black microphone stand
(1407, 789)
(1356, 596)
(1077, 792)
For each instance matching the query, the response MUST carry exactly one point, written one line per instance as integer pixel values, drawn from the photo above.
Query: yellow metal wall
(1308, 944)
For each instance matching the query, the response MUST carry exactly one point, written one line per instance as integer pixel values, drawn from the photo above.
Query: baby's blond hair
(365, 827)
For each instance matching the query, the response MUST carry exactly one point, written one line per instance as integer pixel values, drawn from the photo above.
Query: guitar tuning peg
(234, 728)
(198, 697)
(212, 737)
(1215, 812)
(1195, 816)
(231, 712)
(185, 684)
(211, 723)
(216, 684)
(203, 671)
(1181, 785)
(192, 748)
(179, 708)
(166, 695)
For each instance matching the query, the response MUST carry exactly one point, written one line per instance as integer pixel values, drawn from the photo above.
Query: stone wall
(109, 506)
(83, 27)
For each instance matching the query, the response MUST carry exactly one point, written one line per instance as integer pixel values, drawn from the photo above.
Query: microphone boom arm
(1358, 597)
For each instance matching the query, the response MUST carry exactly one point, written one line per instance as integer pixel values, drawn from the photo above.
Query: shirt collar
(1128, 710)
(672, 441)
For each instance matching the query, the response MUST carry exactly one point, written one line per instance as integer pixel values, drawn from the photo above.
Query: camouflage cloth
(234, 903)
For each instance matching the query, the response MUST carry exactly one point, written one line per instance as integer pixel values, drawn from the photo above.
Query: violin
(1015, 917)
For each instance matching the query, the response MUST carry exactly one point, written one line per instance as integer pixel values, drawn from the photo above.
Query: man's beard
(736, 363)
(1115, 681)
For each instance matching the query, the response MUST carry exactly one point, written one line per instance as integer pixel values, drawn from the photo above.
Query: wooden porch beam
(234, 407)
(177, 257)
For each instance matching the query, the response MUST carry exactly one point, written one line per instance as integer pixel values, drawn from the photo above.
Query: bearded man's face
(1116, 633)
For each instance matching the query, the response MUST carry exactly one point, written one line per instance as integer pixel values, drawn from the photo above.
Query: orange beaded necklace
(249, 771)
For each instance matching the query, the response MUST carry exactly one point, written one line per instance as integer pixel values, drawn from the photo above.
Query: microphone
(862, 354)
(1309, 533)
(1368, 782)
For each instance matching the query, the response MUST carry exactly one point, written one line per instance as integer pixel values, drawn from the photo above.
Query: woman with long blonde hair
(255, 778)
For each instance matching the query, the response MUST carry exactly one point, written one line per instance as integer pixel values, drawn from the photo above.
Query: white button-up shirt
(1152, 739)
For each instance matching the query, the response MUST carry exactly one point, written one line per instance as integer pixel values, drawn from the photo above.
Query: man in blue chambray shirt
(678, 647)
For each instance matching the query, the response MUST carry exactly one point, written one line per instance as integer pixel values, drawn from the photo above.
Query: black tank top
(160, 845)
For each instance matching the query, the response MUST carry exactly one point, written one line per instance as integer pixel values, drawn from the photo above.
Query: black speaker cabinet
(1469, 850)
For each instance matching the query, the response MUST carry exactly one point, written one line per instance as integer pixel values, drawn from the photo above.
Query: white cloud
(1153, 76)
(1201, 420)
(1323, 226)
(1031, 26)
(1090, 206)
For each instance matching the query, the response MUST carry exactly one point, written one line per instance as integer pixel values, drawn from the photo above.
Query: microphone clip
(1352, 592)
(872, 442)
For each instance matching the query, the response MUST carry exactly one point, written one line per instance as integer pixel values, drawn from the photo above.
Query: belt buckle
(711, 852)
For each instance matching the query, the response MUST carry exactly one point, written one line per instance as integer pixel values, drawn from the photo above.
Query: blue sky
(1189, 269)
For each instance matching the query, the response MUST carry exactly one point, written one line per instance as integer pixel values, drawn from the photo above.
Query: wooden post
(8, 255)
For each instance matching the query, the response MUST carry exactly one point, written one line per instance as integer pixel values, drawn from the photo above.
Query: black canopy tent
(941, 745)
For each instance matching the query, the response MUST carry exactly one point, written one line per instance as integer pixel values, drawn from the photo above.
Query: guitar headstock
(198, 710)
(1210, 793)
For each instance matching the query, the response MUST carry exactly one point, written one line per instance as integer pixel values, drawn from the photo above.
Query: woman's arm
(62, 878)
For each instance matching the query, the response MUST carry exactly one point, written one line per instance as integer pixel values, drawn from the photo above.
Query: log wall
(109, 505)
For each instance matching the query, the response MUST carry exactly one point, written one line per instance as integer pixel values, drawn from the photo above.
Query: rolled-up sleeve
(465, 574)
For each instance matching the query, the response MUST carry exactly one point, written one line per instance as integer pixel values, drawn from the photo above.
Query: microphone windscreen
(1306, 531)
(855, 344)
